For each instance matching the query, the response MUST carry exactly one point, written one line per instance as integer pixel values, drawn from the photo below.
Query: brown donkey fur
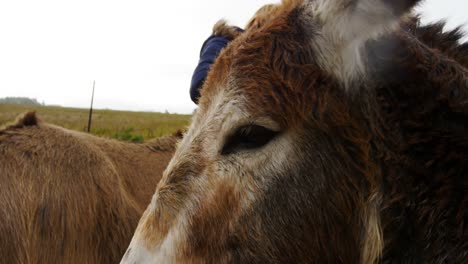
(69, 197)
(331, 131)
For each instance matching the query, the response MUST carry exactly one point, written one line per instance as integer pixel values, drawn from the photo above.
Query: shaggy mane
(25, 120)
(434, 35)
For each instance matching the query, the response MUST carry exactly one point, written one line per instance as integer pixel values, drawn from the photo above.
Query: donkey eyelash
(248, 137)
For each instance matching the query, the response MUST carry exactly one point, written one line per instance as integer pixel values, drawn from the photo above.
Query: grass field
(123, 125)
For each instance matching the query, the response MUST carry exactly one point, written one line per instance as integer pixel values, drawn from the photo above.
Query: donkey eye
(248, 137)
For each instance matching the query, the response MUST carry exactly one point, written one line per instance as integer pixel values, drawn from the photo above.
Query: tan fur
(373, 242)
(222, 29)
(69, 197)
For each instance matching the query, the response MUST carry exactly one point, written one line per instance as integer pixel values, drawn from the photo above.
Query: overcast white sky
(141, 53)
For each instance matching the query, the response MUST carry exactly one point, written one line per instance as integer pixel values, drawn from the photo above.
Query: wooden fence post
(91, 108)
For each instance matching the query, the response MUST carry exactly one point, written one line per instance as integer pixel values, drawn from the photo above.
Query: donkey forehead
(268, 71)
(277, 68)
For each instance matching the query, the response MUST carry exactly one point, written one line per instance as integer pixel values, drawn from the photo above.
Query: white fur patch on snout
(137, 254)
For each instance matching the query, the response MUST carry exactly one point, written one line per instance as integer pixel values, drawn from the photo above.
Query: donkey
(69, 197)
(335, 131)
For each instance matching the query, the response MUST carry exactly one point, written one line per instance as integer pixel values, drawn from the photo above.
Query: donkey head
(280, 163)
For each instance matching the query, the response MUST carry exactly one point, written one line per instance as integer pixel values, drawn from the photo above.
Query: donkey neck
(422, 95)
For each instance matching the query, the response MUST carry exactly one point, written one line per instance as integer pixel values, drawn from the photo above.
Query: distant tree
(19, 100)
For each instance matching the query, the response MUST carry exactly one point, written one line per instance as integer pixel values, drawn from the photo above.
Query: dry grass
(124, 125)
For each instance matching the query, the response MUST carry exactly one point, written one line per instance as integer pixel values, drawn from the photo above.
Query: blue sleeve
(210, 50)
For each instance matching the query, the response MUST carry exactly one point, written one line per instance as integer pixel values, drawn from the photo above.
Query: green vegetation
(122, 125)
(128, 135)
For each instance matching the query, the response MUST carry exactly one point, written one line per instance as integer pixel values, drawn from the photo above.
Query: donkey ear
(356, 15)
(345, 26)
